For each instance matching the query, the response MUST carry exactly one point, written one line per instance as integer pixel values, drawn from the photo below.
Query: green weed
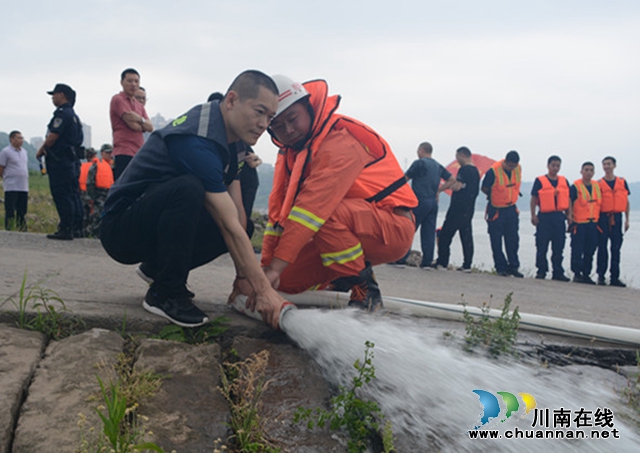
(196, 335)
(121, 432)
(357, 416)
(497, 335)
(631, 393)
(121, 428)
(51, 315)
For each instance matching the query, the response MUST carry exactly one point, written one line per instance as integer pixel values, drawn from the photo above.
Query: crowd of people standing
(595, 214)
(340, 204)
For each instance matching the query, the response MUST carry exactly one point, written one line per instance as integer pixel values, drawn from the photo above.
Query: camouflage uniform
(97, 198)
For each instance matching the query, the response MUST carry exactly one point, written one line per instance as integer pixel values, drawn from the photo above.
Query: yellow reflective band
(306, 218)
(344, 256)
(272, 231)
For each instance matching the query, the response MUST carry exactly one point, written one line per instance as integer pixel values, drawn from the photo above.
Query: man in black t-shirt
(460, 212)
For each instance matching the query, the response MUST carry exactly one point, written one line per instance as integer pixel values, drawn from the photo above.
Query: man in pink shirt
(129, 120)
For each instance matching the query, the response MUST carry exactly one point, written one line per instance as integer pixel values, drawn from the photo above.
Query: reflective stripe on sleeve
(306, 218)
(272, 230)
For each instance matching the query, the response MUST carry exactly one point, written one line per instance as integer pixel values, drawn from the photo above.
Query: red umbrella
(482, 163)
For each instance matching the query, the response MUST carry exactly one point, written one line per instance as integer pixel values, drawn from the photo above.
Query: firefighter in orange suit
(501, 184)
(549, 209)
(615, 202)
(339, 203)
(584, 212)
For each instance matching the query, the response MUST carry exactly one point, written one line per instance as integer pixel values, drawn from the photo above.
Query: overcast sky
(541, 77)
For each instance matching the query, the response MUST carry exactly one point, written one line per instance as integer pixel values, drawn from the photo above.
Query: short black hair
(217, 96)
(426, 147)
(587, 163)
(247, 84)
(128, 71)
(553, 158)
(512, 156)
(466, 152)
(14, 133)
(613, 159)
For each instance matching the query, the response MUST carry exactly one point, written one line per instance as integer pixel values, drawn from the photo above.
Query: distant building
(158, 121)
(86, 130)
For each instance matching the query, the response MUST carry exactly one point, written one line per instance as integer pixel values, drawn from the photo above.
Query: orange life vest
(553, 199)
(84, 173)
(104, 174)
(505, 190)
(613, 200)
(586, 207)
(382, 181)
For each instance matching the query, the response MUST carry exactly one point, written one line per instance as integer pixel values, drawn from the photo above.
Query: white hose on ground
(535, 323)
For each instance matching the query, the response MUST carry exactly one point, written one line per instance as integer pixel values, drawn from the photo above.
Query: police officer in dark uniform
(61, 148)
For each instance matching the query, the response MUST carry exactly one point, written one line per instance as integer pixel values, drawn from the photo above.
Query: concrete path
(95, 286)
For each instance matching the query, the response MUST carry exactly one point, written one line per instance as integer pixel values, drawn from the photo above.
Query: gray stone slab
(63, 385)
(188, 413)
(20, 352)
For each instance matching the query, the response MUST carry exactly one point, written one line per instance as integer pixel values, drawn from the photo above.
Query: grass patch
(205, 334)
(42, 310)
(122, 428)
(360, 418)
(497, 335)
(631, 392)
(243, 384)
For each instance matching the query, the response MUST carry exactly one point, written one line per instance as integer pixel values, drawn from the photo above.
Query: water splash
(425, 386)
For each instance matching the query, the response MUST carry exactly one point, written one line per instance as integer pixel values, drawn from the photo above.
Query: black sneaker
(516, 274)
(617, 283)
(61, 235)
(561, 278)
(179, 310)
(601, 281)
(583, 279)
(365, 293)
(540, 276)
(144, 272)
(503, 274)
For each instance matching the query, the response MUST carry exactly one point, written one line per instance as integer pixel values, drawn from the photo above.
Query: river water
(482, 259)
(425, 385)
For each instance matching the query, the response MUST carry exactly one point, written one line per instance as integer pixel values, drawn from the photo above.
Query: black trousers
(119, 164)
(168, 229)
(65, 190)
(457, 220)
(15, 208)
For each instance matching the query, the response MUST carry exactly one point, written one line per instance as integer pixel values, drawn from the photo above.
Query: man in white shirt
(15, 178)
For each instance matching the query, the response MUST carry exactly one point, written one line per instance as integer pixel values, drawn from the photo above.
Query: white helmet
(290, 92)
